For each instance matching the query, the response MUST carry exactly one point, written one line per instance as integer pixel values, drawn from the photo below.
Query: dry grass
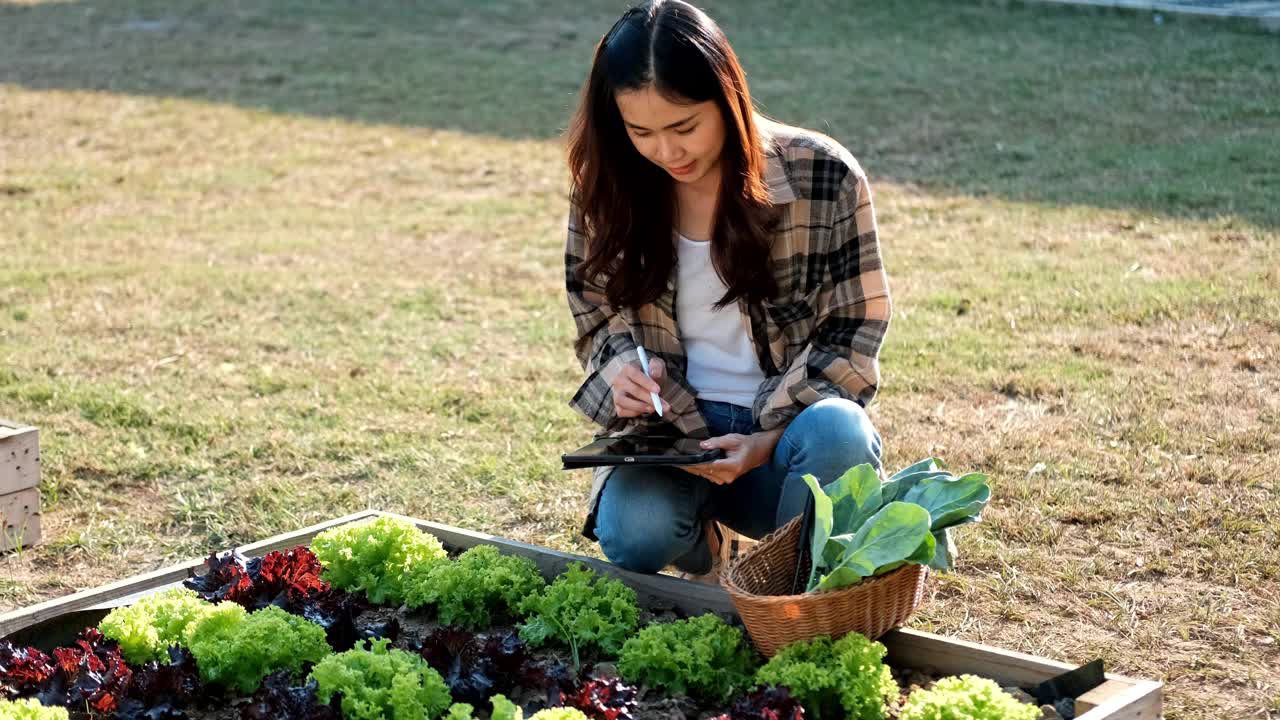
(265, 264)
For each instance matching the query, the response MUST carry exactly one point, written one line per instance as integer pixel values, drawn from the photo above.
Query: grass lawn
(266, 263)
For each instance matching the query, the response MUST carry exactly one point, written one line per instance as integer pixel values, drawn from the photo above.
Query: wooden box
(19, 486)
(1119, 698)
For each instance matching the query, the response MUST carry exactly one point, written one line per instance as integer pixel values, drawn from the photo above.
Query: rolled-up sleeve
(603, 342)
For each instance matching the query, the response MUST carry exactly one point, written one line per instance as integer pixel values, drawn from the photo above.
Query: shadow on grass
(1035, 103)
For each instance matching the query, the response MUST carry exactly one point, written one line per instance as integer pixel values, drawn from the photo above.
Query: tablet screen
(636, 445)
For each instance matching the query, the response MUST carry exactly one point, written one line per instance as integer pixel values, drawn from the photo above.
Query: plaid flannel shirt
(818, 338)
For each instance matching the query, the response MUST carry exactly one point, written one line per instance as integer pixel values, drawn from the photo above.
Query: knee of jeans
(842, 426)
(641, 544)
(633, 551)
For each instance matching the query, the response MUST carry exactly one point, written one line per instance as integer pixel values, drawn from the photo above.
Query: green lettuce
(863, 527)
(559, 713)
(30, 710)
(844, 678)
(703, 656)
(471, 590)
(381, 683)
(376, 557)
(504, 709)
(237, 649)
(460, 711)
(966, 698)
(897, 534)
(581, 609)
(147, 628)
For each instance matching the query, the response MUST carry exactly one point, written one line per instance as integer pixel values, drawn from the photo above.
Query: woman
(742, 255)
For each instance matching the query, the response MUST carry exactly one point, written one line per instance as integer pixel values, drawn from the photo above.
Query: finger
(636, 375)
(724, 442)
(643, 397)
(711, 474)
(704, 470)
(657, 369)
(631, 405)
(632, 375)
(728, 465)
(624, 387)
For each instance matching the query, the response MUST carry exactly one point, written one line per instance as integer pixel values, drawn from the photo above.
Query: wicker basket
(769, 594)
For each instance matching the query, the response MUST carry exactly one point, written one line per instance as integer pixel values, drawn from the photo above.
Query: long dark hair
(627, 202)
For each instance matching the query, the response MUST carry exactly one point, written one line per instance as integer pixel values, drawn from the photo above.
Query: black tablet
(640, 450)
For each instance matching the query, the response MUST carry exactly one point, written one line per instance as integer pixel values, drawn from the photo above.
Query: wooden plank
(949, 656)
(651, 590)
(1118, 698)
(19, 457)
(19, 520)
(16, 620)
(1141, 700)
(1123, 698)
(1101, 695)
(10, 427)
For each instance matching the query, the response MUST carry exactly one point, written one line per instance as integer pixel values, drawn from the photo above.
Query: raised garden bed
(914, 656)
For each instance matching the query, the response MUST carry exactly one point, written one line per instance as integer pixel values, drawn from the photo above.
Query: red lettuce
(279, 699)
(293, 574)
(605, 699)
(91, 674)
(23, 670)
(161, 692)
(768, 703)
(556, 679)
(286, 578)
(228, 578)
(475, 666)
(339, 613)
(290, 580)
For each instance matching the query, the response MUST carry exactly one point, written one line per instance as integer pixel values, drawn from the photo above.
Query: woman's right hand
(631, 389)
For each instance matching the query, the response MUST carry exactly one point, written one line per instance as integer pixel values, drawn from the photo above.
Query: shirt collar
(775, 176)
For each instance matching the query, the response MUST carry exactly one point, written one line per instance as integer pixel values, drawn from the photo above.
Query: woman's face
(684, 139)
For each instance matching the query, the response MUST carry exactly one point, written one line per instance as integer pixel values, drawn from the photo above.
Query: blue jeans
(649, 518)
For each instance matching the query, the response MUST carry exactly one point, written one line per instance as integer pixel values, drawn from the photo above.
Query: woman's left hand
(742, 454)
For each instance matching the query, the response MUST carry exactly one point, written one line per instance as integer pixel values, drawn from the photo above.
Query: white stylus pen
(644, 365)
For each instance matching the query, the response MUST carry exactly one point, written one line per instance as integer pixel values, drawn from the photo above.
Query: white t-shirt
(722, 362)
